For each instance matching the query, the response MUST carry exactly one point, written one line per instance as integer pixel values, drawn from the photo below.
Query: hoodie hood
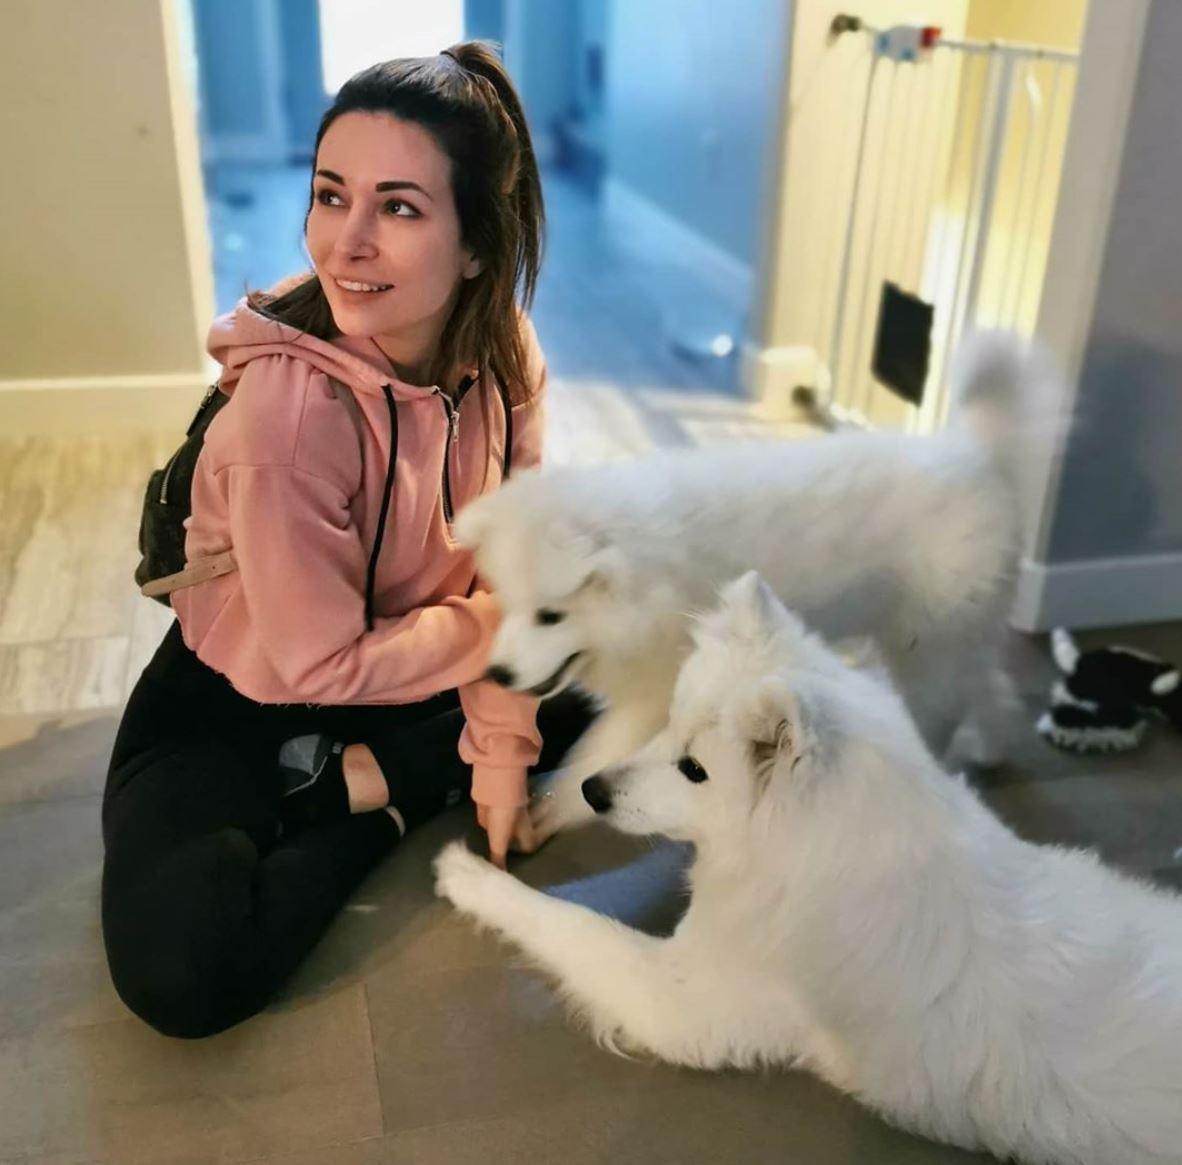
(243, 335)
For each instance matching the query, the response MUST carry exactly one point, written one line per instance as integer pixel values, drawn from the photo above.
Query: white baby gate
(955, 173)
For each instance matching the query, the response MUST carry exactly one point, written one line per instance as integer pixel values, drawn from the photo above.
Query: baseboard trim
(772, 375)
(1098, 592)
(77, 405)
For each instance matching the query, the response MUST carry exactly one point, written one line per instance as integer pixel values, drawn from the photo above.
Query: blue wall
(693, 90)
(540, 47)
(236, 64)
(228, 36)
(484, 20)
(304, 98)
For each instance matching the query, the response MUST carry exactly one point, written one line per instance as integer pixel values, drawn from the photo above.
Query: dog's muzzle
(598, 794)
(556, 682)
(499, 674)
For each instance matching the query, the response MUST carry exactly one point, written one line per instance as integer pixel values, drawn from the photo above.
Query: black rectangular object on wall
(903, 342)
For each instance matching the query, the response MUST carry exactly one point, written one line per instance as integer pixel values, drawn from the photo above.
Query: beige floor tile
(483, 1041)
(1032, 760)
(709, 1119)
(68, 539)
(1164, 639)
(295, 1079)
(64, 675)
(396, 933)
(54, 1159)
(150, 621)
(590, 422)
(47, 847)
(52, 967)
(462, 1029)
(394, 925)
(54, 757)
(1133, 820)
(18, 730)
(53, 973)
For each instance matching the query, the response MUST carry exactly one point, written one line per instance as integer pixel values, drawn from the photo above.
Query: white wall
(106, 265)
(692, 97)
(355, 34)
(1109, 548)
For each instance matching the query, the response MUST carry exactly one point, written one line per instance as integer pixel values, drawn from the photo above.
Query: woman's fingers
(499, 824)
(508, 827)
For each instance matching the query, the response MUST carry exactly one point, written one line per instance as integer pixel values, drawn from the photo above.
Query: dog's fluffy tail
(1009, 394)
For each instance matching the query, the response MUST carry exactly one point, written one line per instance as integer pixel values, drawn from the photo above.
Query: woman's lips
(360, 287)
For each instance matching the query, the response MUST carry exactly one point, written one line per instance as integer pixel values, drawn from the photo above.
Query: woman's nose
(356, 240)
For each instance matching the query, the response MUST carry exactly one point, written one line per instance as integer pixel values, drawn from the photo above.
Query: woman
(326, 694)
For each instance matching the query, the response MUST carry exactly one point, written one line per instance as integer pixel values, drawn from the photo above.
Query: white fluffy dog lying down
(910, 541)
(858, 912)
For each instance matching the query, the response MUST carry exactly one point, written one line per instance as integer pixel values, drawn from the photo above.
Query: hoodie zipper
(452, 411)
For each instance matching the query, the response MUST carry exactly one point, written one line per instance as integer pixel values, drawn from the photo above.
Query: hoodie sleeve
(303, 578)
(500, 740)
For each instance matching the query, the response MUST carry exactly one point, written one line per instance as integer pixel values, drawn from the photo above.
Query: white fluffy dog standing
(910, 541)
(858, 912)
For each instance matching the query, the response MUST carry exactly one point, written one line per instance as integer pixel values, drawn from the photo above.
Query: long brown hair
(463, 97)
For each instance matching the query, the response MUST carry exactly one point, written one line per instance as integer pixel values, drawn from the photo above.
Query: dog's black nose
(598, 794)
(499, 674)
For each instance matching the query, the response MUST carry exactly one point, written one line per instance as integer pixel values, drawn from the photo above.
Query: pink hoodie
(283, 481)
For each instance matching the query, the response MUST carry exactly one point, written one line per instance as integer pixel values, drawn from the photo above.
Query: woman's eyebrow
(393, 184)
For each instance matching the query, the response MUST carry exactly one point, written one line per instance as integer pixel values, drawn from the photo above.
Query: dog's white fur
(909, 541)
(858, 912)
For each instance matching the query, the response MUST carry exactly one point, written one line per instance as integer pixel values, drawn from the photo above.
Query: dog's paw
(463, 878)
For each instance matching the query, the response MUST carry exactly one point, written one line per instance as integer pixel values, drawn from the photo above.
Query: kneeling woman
(313, 704)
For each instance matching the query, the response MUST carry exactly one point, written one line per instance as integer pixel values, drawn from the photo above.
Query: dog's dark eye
(691, 770)
(547, 616)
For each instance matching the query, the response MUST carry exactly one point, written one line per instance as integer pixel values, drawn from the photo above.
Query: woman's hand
(508, 827)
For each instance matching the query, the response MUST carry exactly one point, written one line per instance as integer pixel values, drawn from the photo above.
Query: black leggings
(206, 909)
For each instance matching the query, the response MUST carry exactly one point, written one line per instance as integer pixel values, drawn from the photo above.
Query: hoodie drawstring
(506, 465)
(507, 455)
(371, 573)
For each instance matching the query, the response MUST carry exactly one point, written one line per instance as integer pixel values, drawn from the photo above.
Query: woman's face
(384, 235)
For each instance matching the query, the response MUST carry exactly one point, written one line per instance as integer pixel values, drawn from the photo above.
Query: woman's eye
(547, 617)
(325, 197)
(402, 209)
(691, 770)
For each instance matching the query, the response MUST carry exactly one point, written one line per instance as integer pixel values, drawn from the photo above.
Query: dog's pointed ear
(601, 564)
(751, 607)
(609, 570)
(776, 730)
(568, 534)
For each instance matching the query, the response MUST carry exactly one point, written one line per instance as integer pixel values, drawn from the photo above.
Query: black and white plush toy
(1107, 696)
